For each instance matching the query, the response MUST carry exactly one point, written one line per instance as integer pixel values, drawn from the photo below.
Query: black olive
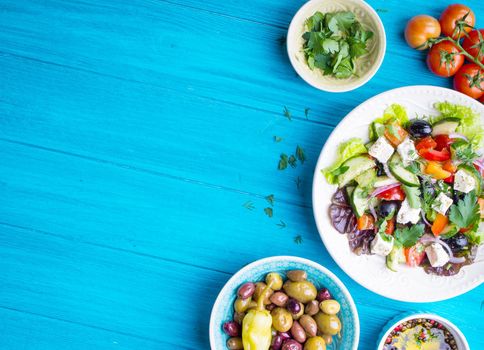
(420, 128)
(380, 170)
(458, 242)
(386, 207)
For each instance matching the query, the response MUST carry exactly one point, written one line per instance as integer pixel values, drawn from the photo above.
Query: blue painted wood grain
(132, 132)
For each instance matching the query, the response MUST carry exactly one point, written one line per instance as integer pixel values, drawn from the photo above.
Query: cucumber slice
(367, 178)
(354, 167)
(475, 174)
(359, 201)
(384, 181)
(395, 258)
(445, 126)
(449, 231)
(401, 174)
(377, 130)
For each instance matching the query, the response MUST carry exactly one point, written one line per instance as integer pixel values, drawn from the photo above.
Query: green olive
(303, 291)
(252, 305)
(239, 317)
(328, 339)
(241, 305)
(281, 319)
(275, 280)
(297, 275)
(259, 290)
(328, 324)
(330, 307)
(312, 308)
(309, 325)
(235, 343)
(315, 343)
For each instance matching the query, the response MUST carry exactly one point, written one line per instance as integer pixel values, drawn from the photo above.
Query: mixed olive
(300, 316)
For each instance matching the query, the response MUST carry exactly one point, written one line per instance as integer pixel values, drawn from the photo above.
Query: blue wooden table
(137, 146)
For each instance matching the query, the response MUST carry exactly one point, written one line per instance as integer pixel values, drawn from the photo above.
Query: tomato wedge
(394, 132)
(443, 141)
(392, 194)
(426, 143)
(415, 255)
(439, 224)
(449, 180)
(432, 154)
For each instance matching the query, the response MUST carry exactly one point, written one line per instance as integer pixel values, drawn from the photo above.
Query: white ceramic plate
(366, 66)
(409, 284)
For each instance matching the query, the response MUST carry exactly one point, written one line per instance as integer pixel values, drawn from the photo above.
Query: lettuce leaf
(346, 150)
(394, 111)
(470, 121)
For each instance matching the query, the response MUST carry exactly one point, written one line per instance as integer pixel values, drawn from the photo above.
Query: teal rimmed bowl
(222, 310)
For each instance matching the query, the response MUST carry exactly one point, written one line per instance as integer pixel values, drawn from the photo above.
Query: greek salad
(413, 193)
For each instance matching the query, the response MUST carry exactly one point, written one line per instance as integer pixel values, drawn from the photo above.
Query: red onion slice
(446, 247)
(383, 189)
(480, 164)
(457, 260)
(424, 218)
(456, 135)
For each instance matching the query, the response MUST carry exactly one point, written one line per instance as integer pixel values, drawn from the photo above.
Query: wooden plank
(175, 135)
(150, 45)
(109, 237)
(25, 331)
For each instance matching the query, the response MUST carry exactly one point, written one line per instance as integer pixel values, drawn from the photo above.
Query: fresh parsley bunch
(334, 41)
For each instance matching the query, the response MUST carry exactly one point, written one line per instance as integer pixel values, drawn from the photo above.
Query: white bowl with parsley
(336, 46)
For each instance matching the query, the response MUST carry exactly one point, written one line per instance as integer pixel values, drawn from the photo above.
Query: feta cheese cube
(382, 244)
(408, 214)
(407, 151)
(442, 203)
(437, 255)
(464, 182)
(381, 150)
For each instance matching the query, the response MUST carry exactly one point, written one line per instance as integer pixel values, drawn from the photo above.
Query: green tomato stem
(464, 52)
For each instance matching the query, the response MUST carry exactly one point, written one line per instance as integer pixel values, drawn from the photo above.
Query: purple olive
(276, 343)
(293, 306)
(323, 294)
(291, 344)
(232, 328)
(246, 290)
(284, 335)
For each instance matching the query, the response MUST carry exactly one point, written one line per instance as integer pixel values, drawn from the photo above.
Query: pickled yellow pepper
(256, 326)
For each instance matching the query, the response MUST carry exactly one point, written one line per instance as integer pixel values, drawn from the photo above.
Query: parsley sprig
(465, 213)
(408, 236)
(334, 41)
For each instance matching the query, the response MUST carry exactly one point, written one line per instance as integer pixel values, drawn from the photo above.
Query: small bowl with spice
(422, 331)
(284, 303)
(336, 46)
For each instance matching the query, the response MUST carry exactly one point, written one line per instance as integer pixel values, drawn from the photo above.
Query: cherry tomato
(415, 255)
(474, 44)
(443, 141)
(470, 80)
(425, 143)
(444, 59)
(449, 180)
(432, 154)
(419, 29)
(393, 194)
(457, 19)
